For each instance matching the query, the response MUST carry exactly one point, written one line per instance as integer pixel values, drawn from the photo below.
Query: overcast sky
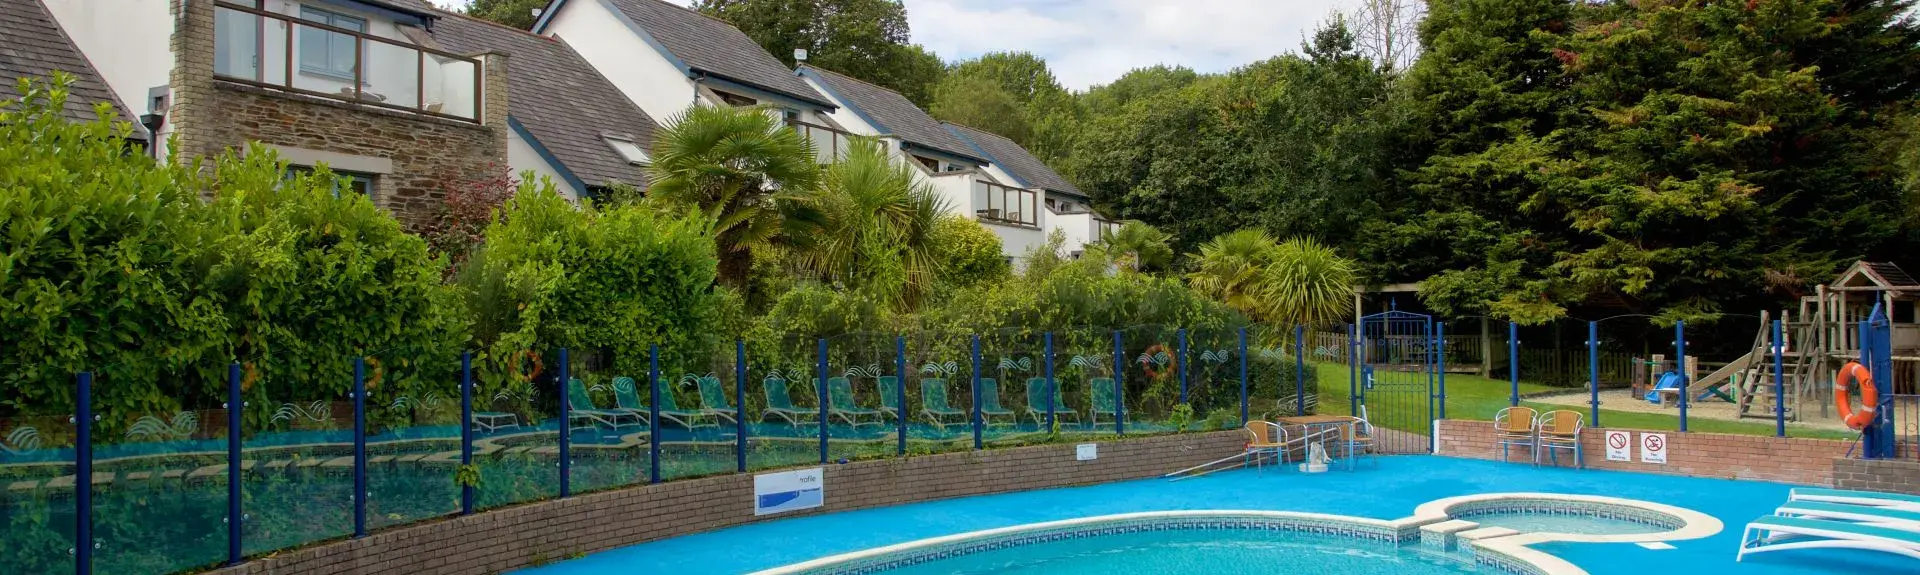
(1090, 42)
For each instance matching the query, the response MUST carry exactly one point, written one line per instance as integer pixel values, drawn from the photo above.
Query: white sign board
(787, 491)
(1086, 452)
(1619, 446)
(1653, 448)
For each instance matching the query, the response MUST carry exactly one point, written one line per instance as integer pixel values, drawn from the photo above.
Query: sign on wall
(1086, 452)
(1619, 446)
(787, 491)
(1653, 448)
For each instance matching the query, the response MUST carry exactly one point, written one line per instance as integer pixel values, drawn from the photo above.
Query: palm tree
(876, 227)
(1230, 268)
(1306, 283)
(743, 169)
(1138, 247)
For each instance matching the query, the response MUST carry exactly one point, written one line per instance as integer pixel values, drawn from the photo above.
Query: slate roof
(32, 44)
(715, 47)
(892, 114)
(559, 98)
(1015, 159)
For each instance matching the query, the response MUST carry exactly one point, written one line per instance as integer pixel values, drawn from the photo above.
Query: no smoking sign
(1619, 446)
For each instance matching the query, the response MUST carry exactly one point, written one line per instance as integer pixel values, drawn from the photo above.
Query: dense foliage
(866, 39)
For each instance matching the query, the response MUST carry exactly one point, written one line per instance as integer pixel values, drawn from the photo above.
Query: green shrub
(970, 253)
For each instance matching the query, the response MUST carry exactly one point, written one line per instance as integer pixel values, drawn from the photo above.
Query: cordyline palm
(876, 227)
(1231, 267)
(1306, 283)
(1138, 247)
(742, 168)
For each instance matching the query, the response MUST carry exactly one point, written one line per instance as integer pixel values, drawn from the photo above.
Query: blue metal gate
(1396, 379)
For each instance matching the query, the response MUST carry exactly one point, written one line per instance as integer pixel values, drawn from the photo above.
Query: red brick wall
(537, 533)
(1787, 460)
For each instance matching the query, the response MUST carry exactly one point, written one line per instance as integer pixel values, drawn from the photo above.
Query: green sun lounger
(780, 404)
(890, 402)
(714, 396)
(990, 402)
(1104, 403)
(1773, 533)
(626, 394)
(933, 402)
(1037, 403)
(580, 407)
(840, 403)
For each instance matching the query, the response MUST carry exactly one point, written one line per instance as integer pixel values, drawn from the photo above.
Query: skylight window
(624, 144)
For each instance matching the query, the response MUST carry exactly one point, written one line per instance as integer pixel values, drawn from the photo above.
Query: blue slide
(1668, 380)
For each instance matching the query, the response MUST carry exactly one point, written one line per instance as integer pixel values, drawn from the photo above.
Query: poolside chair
(1101, 392)
(890, 403)
(713, 396)
(933, 402)
(1265, 438)
(580, 407)
(1866, 498)
(1774, 533)
(779, 404)
(626, 399)
(1881, 516)
(841, 403)
(990, 403)
(1560, 429)
(1517, 426)
(1037, 403)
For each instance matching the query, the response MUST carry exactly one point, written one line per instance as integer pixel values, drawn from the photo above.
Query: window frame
(366, 180)
(337, 20)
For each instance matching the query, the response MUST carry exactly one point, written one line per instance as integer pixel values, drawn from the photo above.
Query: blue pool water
(1201, 551)
(1389, 490)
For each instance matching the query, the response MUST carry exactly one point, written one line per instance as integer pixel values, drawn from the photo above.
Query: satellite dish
(799, 54)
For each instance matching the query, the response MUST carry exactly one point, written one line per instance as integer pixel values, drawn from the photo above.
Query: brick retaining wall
(536, 533)
(1877, 475)
(1786, 460)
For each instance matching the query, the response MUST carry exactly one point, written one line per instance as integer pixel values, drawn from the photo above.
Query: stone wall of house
(532, 534)
(1893, 475)
(1786, 460)
(211, 116)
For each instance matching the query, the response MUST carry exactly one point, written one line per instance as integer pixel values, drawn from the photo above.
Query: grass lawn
(1471, 397)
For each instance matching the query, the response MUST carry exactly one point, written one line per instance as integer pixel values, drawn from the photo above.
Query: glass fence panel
(940, 394)
(413, 437)
(606, 420)
(1151, 379)
(698, 418)
(516, 427)
(1083, 376)
(450, 86)
(391, 74)
(37, 506)
(1213, 378)
(782, 402)
(861, 420)
(1012, 382)
(297, 433)
(160, 474)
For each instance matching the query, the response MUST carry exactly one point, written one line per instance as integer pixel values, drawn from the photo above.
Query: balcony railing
(282, 52)
(1103, 228)
(829, 144)
(1004, 204)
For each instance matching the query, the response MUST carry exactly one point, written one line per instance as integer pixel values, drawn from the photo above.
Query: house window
(736, 100)
(625, 146)
(349, 182)
(931, 164)
(326, 52)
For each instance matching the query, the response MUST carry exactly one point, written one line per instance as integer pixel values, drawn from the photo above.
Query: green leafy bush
(970, 253)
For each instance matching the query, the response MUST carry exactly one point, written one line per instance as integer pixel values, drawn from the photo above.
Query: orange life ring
(1869, 395)
(1146, 360)
(519, 361)
(379, 372)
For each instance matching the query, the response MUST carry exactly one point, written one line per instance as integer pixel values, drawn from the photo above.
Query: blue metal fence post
(653, 413)
(1353, 369)
(1051, 391)
(1243, 376)
(900, 393)
(1680, 367)
(1779, 383)
(566, 427)
(1440, 354)
(1119, 386)
(359, 446)
(977, 423)
(83, 467)
(740, 405)
(1181, 364)
(1593, 371)
(823, 394)
(1300, 370)
(1513, 363)
(235, 406)
(466, 427)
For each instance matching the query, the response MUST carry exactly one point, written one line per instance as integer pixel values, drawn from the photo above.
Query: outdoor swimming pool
(1371, 496)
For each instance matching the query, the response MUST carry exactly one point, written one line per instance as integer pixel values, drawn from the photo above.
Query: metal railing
(829, 144)
(292, 54)
(1005, 204)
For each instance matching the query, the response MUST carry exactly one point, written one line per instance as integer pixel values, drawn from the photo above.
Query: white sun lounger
(1881, 516)
(1773, 533)
(1868, 498)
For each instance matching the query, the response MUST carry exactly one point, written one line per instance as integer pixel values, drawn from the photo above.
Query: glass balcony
(1004, 204)
(330, 58)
